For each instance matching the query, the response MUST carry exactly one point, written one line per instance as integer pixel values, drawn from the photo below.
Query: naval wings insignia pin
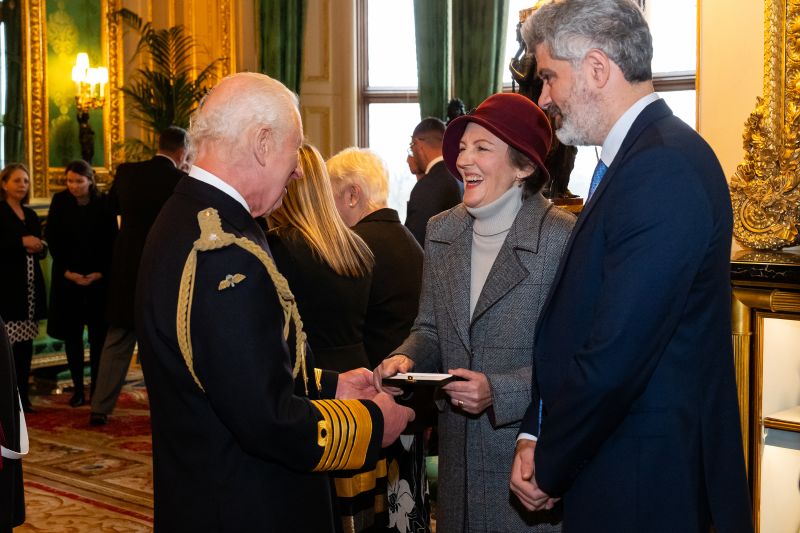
(230, 281)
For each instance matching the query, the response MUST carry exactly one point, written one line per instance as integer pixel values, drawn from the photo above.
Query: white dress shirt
(210, 179)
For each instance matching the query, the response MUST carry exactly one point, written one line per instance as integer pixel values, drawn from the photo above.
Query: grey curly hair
(570, 28)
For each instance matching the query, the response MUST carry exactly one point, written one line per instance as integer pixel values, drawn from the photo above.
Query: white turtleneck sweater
(489, 230)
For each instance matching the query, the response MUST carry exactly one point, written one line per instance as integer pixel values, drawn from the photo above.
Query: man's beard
(580, 122)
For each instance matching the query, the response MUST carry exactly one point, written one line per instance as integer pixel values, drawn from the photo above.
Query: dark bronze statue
(561, 158)
(85, 136)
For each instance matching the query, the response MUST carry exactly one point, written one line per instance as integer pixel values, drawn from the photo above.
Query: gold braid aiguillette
(212, 237)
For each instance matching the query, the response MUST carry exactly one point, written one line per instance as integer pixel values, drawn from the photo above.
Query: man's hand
(388, 368)
(523, 482)
(395, 417)
(473, 395)
(355, 385)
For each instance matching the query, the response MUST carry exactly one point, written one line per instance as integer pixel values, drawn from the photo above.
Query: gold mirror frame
(45, 178)
(765, 190)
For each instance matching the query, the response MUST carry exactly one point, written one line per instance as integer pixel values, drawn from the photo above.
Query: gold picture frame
(765, 190)
(46, 178)
(750, 306)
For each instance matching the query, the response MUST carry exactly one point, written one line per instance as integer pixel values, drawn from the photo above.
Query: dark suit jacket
(435, 192)
(239, 456)
(12, 494)
(13, 266)
(333, 307)
(633, 352)
(137, 194)
(81, 239)
(396, 282)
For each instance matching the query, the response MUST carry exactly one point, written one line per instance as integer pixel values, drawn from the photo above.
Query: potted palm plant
(164, 91)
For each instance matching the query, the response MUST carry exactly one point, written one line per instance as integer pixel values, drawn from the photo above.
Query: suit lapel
(508, 271)
(455, 273)
(655, 111)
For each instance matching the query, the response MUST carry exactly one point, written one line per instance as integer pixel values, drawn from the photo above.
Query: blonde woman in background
(329, 270)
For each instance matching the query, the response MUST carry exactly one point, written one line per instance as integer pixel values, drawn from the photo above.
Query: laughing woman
(488, 266)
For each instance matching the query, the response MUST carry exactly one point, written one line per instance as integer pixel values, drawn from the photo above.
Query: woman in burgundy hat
(488, 267)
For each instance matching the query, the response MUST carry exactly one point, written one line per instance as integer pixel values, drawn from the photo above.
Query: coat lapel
(455, 275)
(655, 111)
(508, 270)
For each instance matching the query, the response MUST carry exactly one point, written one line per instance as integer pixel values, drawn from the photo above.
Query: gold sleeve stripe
(358, 454)
(325, 435)
(318, 379)
(347, 431)
(344, 434)
(338, 439)
(350, 487)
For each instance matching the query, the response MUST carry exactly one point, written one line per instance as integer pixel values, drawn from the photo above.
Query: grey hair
(259, 102)
(570, 28)
(362, 167)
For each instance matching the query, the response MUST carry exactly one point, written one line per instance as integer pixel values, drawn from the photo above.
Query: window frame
(368, 95)
(662, 82)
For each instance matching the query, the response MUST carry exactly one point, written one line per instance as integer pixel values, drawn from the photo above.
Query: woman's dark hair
(79, 166)
(5, 174)
(532, 183)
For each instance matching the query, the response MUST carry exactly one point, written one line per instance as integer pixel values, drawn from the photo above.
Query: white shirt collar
(169, 158)
(620, 129)
(207, 177)
(433, 162)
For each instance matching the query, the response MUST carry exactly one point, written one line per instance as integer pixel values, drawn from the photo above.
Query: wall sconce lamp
(90, 84)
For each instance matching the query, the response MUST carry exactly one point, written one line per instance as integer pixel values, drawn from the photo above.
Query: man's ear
(599, 67)
(261, 145)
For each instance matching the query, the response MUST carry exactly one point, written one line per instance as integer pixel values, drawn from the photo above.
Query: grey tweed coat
(476, 452)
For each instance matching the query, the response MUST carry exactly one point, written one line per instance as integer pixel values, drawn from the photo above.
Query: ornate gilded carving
(36, 129)
(765, 190)
(44, 177)
(226, 21)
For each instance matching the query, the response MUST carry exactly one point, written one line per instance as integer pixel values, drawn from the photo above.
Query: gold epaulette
(318, 379)
(212, 237)
(344, 434)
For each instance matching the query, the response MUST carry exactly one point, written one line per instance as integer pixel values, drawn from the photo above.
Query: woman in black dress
(329, 270)
(24, 302)
(80, 232)
(328, 267)
(360, 182)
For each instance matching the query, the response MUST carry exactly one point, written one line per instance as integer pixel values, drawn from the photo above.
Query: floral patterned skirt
(392, 497)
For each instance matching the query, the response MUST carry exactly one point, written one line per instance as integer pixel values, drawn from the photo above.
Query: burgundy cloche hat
(513, 118)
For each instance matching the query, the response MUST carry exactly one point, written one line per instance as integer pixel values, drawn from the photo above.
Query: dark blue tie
(599, 172)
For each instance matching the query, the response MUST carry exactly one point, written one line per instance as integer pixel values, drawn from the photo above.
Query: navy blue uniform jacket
(239, 456)
(633, 354)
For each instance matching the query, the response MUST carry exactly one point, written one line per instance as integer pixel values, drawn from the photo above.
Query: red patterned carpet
(81, 478)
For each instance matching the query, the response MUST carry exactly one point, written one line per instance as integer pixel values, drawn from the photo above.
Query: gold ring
(460, 404)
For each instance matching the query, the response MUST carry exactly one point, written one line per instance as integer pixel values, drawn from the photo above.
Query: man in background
(638, 423)
(437, 190)
(137, 195)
